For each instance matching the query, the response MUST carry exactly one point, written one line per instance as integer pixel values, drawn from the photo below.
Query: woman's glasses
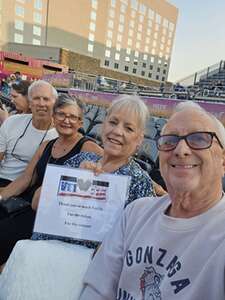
(196, 140)
(61, 116)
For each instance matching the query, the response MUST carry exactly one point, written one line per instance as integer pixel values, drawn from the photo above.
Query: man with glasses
(172, 247)
(21, 135)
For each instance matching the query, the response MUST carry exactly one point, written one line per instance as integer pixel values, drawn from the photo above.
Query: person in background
(21, 135)
(68, 118)
(19, 96)
(171, 247)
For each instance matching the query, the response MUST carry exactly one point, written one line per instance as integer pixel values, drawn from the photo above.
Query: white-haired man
(172, 247)
(21, 135)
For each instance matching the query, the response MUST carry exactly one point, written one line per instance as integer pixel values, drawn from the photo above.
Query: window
(140, 27)
(122, 18)
(142, 73)
(158, 18)
(158, 69)
(119, 38)
(112, 13)
(149, 23)
(118, 47)
(128, 51)
(116, 66)
(19, 10)
(137, 45)
(38, 4)
(110, 34)
(164, 71)
(123, 8)
(142, 9)
(113, 3)
(109, 43)
(132, 23)
(170, 34)
(120, 28)
(163, 78)
(107, 53)
(155, 35)
(117, 56)
(127, 58)
(21, 1)
(139, 36)
(150, 75)
(126, 68)
(157, 77)
(94, 4)
(165, 64)
(151, 13)
(92, 26)
(159, 61)
(110, 24)
(152, 59)
(161, 46)
(141, 18)
(135, 62)
(36, 42)
(91, 37)
(147, 40)
(129, 42)
(148, 31)
(171, 26)
(151, 67)
(19, 25)
(146, 49)
(144, 65)
(107, 63)
(136, 53)
(145, 57)
(133, 13)
(165, 23)
(153, 51)
(154, 43)
(130, 32)
(93, 16)
(37, 30)
(134, 4)
(156, 27)
(18, 38)
(90, 47)
(134, 71)
(37, 18)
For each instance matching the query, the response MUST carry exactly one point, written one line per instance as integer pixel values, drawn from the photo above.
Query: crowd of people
(165, 245)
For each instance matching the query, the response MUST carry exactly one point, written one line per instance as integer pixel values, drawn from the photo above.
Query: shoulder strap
(79, 145)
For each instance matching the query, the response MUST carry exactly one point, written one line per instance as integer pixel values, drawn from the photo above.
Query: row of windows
(18, 38)
(134, 71)
(19, 25)
(143, 11)
(37, 3)
(20, 12)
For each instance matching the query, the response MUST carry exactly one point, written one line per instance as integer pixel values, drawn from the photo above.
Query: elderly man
(21, 135)
(171, 247)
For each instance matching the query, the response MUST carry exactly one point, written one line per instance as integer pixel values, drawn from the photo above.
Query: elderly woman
(67, 116)
(122, 134)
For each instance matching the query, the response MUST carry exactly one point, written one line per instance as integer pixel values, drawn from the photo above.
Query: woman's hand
(96, 168)
(36, 198)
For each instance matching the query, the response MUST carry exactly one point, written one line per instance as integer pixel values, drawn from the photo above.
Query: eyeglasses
(196, 140)
(18, 157)
(61, 116)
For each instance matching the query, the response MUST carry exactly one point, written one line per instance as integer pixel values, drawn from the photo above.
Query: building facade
(133, 37)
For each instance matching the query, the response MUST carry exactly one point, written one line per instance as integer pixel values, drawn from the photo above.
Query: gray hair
(192, 105)
(65, 99)
(131, 103)
(38, 83)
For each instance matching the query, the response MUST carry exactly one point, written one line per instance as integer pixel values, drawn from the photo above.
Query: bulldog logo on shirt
(150, 284)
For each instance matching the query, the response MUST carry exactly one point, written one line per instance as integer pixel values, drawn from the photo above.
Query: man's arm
(1, 155)
(102, 277)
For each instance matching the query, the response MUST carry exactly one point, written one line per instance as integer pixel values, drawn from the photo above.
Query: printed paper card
(75, 203)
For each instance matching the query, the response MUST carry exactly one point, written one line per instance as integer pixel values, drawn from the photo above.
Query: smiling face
(188, 170)
(67, 120)
(20, 101)
(121, 134)
(42, 101)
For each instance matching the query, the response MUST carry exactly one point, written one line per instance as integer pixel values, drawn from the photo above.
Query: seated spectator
(19, 96)
(21, 135)
(122, 134)
(172, 248)
(67, 116)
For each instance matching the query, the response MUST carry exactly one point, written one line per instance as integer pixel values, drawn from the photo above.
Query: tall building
(134, 37)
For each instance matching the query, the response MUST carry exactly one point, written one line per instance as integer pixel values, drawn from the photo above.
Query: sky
(199, 38)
